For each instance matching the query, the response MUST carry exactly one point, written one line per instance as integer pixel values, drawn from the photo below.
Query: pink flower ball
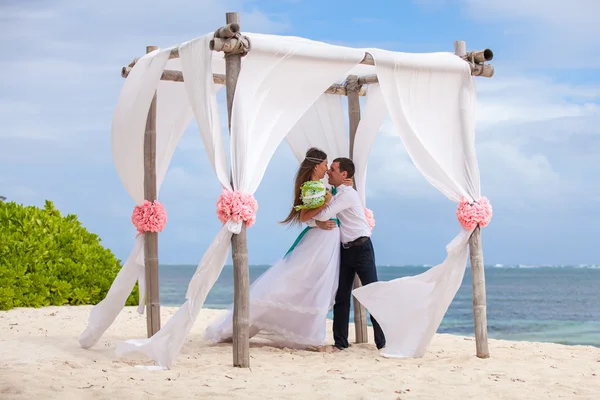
(149, 217)
(472, 214)
(237, 206)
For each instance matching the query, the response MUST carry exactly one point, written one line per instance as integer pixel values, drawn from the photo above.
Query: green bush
(47, 259)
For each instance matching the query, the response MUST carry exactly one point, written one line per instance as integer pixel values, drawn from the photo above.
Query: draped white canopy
(429, 97)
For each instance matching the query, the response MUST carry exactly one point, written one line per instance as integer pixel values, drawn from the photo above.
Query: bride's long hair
(312, 158)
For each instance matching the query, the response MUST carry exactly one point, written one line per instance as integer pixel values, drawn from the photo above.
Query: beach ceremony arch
(291, 88)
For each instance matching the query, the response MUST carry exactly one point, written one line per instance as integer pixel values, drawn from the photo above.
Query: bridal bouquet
(312, 194)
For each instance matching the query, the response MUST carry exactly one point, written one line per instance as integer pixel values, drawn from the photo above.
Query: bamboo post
(479, 297)
(239, 245)
(151, 238)
(352, 91)
(477, 267)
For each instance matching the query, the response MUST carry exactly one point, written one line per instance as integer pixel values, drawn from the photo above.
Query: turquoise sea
(559, 304)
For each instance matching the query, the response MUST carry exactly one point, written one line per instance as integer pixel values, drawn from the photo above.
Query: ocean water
(559, 304)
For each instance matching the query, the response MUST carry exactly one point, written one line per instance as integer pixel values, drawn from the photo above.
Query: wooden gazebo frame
(229, 40)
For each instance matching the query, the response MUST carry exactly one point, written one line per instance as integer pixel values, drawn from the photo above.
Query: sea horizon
(584, 266)
(539, 303)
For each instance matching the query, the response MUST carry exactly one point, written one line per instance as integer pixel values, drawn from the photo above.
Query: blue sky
(537, 137)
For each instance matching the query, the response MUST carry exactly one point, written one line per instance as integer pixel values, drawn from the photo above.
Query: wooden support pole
(360, 314)
(479, 295)
(151, 238)
(477, 268)
(239, 245)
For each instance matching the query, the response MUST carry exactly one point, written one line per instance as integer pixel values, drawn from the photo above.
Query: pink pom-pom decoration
(237, 206)
(472, 214)
(370, 218)
(149, 217)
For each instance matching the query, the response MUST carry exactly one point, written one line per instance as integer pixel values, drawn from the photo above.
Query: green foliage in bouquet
(47, 259)
(312, 194)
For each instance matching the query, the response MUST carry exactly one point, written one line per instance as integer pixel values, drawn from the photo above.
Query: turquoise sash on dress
(301, 235)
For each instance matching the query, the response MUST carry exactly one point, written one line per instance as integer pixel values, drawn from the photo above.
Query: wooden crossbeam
(476, 60)
(177, 76)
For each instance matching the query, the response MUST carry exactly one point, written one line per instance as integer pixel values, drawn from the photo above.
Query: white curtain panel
(431, 101)
(127, 135)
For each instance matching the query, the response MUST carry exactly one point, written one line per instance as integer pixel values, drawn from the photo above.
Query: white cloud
(524, 99)
(510, 173)
(119, 24)
(391, 171)
(63, 77)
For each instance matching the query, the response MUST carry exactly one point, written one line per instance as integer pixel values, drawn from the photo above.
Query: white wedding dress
(289, 302)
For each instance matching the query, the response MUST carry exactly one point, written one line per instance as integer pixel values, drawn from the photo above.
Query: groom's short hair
(346, 165)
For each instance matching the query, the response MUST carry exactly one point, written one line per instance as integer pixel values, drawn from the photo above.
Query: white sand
(40, 358)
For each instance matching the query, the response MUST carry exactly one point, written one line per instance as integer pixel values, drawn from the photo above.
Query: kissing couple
(290, 301)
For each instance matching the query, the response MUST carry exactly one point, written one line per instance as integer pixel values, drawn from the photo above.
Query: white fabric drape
(279, 81)
(322, 126)
(127, 135)
(372, 117)
(196, 66)
(431, 101)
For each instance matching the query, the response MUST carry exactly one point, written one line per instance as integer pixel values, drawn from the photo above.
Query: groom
(357, 254)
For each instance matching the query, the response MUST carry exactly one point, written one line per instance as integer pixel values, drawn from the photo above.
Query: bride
(290, 301)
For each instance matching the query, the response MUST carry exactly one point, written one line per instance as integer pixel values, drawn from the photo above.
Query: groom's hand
(327, 225)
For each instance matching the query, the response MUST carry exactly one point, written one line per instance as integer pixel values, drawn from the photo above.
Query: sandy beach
(41, 358)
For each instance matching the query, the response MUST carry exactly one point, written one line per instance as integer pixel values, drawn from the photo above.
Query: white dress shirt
(347, 207)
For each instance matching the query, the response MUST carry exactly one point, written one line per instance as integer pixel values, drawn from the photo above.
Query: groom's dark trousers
(357, 259)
